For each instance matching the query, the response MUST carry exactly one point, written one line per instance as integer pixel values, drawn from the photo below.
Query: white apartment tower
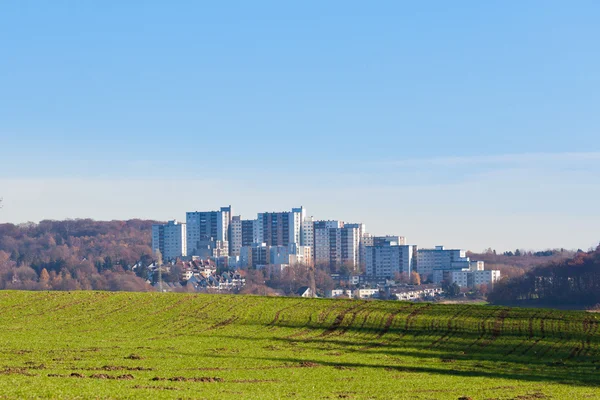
(207, 230)
(235, 236)
(170, 239)
(337, 244)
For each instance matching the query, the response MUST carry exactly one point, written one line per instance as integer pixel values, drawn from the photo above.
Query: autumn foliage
(571, 282)
(74, 254)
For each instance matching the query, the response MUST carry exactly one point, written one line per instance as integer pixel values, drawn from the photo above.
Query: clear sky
(473, 124)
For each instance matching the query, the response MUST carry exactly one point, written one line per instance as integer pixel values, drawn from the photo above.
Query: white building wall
(170, 239)
(235, 242)
(440, 258)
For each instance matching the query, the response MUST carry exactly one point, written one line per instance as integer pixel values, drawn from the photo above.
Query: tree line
(570, 282)
(74, 254)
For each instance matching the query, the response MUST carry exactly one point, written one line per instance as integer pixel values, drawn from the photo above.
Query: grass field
(151, 345)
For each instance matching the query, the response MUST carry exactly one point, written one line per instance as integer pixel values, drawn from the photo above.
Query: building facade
(440, 258)
(389, 258)
(205, 229)
(337, 244)
(170, 239)
(469, 277)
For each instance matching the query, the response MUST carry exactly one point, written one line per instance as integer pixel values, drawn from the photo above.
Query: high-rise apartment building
(242, 232)
(387, 258)
(205, 229)
(440, 258)
(235, 235)
(337, 244)
(170, 239)
(280, 228)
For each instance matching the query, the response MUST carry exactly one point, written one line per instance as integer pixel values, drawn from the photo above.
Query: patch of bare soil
(531, 396)
(156, 387)
(15, 371)
(123, 368)
(184, 379)
(119, 377)
(343, 368)
(308, 364)
(134, 357)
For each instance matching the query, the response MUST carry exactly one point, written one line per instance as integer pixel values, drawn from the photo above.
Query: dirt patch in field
(123, 368)
(119, 377)
(156, 387)
(271, 347)
(77, 375)
(134, 357)
(343, 368)
(225, 350)
(32, 365)
(309, 364)
(184, 379)
(448, 360)
(531, 396)
(21, 352)
(15, 371)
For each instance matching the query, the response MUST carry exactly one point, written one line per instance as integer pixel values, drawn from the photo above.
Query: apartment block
(336, 244)
(205, 229)
(469, 277)
(440, 258)
(388, 258)
(170, 239)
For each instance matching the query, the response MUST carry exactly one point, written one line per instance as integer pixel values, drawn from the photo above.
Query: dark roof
(302, 290)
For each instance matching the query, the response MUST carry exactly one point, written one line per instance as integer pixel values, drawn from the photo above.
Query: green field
(152, 345)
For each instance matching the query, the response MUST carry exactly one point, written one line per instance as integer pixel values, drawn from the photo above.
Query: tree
(453, 290)
(401, 277)
(44, 277)
(415, 278)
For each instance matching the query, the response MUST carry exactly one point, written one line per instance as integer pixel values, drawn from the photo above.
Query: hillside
(101, 344)
(571, 282)
(74, 254)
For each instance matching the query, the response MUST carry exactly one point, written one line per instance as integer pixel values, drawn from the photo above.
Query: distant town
(361, 264)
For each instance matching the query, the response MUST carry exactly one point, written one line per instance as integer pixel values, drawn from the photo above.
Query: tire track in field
(532, 334)
(588, 328)
(450, 330)
(498, 327)
(271, 325)
(340, 318)
(531, 318)
(390, 319)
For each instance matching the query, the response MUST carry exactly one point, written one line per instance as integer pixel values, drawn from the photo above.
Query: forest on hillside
(516, 263)
(569, 282)
(80, 254)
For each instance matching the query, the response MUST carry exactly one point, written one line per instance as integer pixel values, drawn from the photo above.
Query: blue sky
(468, 123)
